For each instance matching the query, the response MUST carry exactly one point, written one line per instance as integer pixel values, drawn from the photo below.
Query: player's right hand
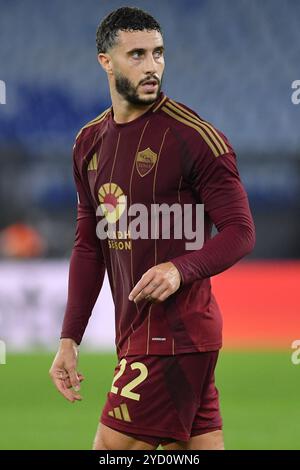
(63, 371)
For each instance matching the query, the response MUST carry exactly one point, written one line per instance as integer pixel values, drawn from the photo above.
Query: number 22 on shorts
(126, 391)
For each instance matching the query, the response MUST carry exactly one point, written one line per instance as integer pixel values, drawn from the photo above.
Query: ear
(105, 62)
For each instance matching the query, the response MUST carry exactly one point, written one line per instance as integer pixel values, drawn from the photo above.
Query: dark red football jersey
(167, 155)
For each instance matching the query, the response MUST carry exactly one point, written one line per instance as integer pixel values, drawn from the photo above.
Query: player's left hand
(157, 284)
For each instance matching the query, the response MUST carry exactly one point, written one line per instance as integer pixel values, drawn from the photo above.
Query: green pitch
(259, 398)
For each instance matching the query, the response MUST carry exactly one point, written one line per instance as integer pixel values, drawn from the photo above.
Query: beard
(130, 92)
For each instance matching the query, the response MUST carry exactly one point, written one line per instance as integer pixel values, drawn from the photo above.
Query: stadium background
(233, 61)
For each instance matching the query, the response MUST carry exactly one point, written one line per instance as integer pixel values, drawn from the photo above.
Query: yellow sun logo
(112, 201)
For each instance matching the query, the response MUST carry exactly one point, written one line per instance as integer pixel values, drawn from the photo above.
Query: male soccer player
(149, 149)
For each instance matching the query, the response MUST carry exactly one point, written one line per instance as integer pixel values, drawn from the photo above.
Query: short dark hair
(125, 19)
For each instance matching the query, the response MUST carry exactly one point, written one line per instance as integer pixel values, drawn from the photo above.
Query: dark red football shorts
(162, 399)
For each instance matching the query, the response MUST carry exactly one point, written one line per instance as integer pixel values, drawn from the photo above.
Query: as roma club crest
(145, 161)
